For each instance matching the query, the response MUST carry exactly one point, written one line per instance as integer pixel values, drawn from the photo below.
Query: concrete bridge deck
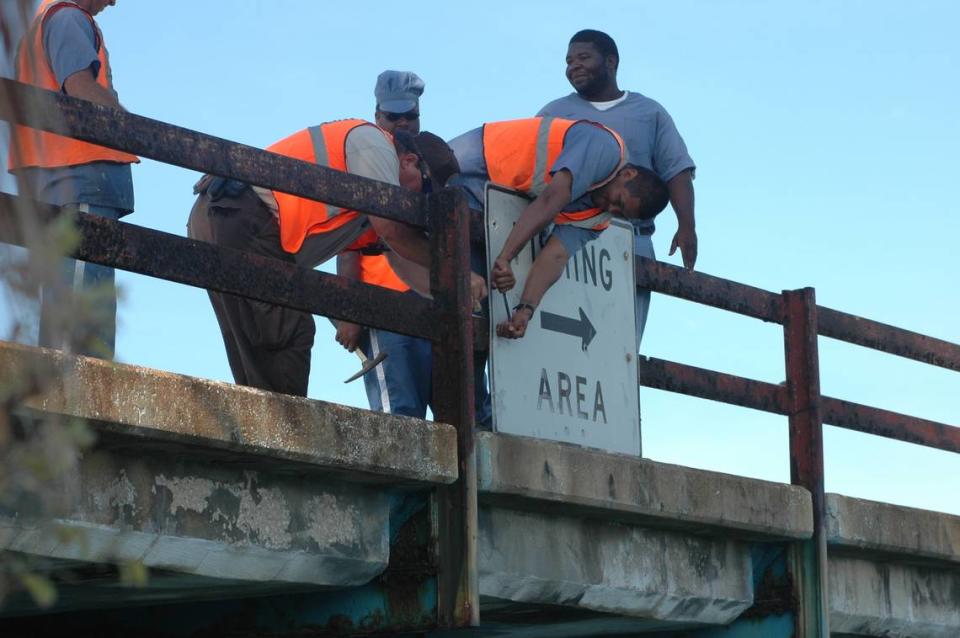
(265, 514)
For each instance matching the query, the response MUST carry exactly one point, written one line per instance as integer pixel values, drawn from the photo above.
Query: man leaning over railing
(63, 50)
(402, 384)
(578, 175)
(268, 346)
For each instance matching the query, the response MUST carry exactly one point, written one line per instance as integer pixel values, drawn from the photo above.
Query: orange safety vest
(325, 145)
(376, 269)
(520, 153)
(33, 148)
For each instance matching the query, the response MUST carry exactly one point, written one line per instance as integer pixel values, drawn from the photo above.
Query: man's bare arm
(412, 274)
(348, 266)
(412, 247)
(408, 241)
(83, 85)
(538, 214)
(680, 188)
(533, 219)
(546, 269)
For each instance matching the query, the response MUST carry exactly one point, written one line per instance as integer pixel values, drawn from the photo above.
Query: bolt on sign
(573, 376)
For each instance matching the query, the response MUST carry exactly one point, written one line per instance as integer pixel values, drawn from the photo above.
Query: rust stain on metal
(709, 290)
(806, 453)
(458, 588)
(59, 113)
(195, 263)
(707, 384)
(870, 420)
(889, 339)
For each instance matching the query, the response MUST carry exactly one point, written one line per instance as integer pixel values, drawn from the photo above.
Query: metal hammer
(366, 364)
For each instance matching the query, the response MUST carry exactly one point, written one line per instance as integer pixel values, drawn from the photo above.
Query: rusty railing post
(453, 402)
(809, 558)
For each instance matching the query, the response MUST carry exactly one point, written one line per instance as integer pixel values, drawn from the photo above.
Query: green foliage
(39, 453)
(134, 573)
(41, 589)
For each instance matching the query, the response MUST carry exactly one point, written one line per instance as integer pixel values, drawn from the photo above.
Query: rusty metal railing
(771, 307)
(799, 398)
(157, 254)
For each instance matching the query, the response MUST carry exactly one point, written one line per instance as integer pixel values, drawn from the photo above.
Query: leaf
(81, 434)
(134, 573)
(41, 589)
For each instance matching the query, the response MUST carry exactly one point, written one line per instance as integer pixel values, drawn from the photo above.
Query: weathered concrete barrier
(674, 548)
(217, 487)
(157, 407)
(667, 546)
(894, 571)
(266, 514)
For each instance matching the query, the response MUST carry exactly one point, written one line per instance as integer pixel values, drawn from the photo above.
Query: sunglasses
(409, 116)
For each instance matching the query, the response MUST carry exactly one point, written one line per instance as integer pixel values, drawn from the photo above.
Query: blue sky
(824, 134)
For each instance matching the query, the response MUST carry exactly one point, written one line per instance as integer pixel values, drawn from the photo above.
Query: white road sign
(573, 376)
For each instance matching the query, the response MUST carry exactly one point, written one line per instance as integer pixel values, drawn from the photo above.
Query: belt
(372, 250)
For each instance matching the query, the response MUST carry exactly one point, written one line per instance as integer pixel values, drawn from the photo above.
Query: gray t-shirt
(589, 153)
(651, 137)
(368, 154)
(70, 44)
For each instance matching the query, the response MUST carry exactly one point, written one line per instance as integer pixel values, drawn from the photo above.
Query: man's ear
(612, 62)
(408, 159)
(628, 172)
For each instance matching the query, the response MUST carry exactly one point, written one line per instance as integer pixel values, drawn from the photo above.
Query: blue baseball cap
(398, 91)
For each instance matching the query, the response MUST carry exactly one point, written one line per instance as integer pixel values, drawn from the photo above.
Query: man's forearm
(546, 269)
(348, 264)
(680, 188)
(407, 241)
(534, 218)
(413, 274)
(538, 214)
(83, 85)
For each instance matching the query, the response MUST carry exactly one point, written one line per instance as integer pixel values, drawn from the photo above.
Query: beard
(596, 84)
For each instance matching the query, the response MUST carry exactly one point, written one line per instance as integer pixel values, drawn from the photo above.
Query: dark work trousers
(268, 346)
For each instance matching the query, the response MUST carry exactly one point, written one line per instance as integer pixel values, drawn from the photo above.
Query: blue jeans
(403, 383)
(58, 329)
(642, 247)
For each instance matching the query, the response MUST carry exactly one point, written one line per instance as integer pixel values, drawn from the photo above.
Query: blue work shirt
(589, 153)
(70, 44)
(652, 139)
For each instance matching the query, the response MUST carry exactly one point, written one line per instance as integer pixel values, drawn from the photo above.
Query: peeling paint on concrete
(330, 522)
(118, 493)
(188, 493)
(265, 517)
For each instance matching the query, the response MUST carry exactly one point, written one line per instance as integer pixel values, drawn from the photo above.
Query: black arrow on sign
(574, 327)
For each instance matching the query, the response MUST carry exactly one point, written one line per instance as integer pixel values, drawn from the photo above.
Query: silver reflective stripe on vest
(540, 161)
(320, 153)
